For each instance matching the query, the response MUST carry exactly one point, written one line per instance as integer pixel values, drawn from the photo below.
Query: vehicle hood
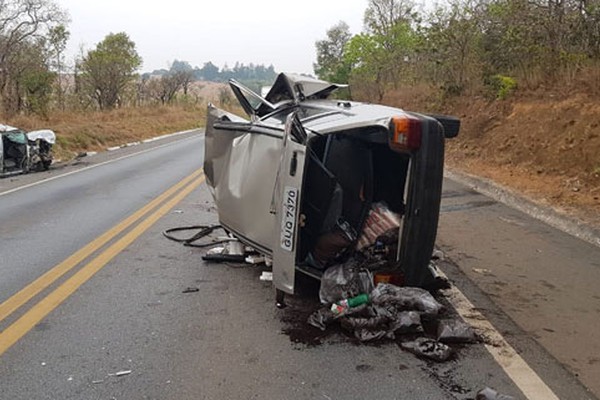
(43, 134)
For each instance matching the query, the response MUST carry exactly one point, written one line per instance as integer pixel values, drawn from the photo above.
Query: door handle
(294, 164)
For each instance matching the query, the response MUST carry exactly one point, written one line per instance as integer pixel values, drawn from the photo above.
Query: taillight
(405, 133)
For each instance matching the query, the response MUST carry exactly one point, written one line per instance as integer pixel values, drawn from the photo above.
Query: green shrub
(501, 86)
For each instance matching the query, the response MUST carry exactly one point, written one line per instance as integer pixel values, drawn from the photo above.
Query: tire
(423, 206)
(451, 124)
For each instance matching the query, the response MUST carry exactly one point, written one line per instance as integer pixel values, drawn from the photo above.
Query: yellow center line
(34, 288)
(27, 321)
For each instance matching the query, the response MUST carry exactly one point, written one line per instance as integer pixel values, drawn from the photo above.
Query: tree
(209, 72)
(183, 74)
(107, 70)
(164, 88)
(382, 15)
(23, 26)
(34, 78)
(378, 62)
(367, 58)
(58, 37)
(330, 64)
(451, 47)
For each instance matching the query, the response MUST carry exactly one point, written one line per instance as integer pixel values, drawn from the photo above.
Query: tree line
(35, 76)
(181, 73)
(211, 72)
(464, 46)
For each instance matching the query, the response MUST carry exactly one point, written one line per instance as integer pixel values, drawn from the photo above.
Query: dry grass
(95, 130)
(79, 131)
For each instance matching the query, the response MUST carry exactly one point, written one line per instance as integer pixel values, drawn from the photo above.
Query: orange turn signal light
(405, 133)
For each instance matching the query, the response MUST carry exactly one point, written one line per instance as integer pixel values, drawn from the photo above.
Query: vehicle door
(241, 158)
(287, 197)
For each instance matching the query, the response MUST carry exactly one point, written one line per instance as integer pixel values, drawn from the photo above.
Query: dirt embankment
(544, 145)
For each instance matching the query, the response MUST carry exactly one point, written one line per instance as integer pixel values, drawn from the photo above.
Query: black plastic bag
(455, 331)
(321, 318)
(408, 322)
(375, 322)
(405, 298)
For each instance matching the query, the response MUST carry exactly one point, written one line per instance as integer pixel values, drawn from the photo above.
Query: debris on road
(191, 290)
(455, 331)
(343, 306)
(255, 259)
(344, 281)
(386, 311)
(428, 348)
(234, 258)
(438, 255)
(266, 276)
(321, 318)
(232, 251)
(216, 250)
(491, 394)
(405, 298)
(203, 231)
(483, 271)
(121, 373)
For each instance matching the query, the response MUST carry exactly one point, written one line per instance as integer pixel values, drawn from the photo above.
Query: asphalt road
(43, 224)
(543, 279)
(122, 307)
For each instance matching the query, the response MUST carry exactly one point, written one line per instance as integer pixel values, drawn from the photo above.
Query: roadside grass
(96, 130)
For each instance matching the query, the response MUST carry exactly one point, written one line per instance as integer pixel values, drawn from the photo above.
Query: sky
(265, 32)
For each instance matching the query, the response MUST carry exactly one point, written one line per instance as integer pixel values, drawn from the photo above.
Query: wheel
(423, 206)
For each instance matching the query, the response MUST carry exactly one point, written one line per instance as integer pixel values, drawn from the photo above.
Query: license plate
(288, 220)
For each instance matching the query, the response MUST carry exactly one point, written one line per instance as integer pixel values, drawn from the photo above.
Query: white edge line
(93, 166)
(526, 379)
(168, 135)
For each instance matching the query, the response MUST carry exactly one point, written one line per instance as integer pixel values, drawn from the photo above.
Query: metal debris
(266, 276)
(121, 373)
(255, 259)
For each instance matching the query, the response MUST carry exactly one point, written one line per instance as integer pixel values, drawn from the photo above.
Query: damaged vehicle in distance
(21, 152)
(306, 180)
